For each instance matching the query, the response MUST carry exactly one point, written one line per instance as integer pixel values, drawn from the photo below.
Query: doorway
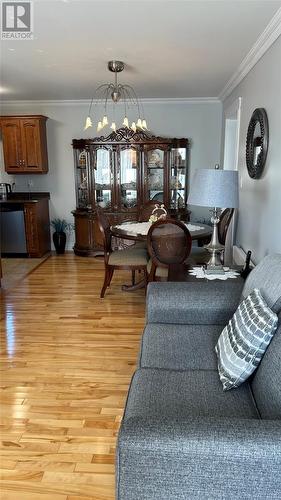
(230, 162)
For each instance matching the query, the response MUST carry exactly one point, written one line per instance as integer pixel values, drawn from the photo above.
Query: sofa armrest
(194, 303)
(198, 458)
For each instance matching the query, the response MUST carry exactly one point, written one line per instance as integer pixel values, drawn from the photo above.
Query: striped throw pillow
(244, 340)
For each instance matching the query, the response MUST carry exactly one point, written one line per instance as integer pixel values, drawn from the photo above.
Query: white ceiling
(182, 49)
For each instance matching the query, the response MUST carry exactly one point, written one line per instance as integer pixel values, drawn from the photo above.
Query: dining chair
(147, 209)
(130, 259)
(199, 255)
(168, 242)
(224, 223)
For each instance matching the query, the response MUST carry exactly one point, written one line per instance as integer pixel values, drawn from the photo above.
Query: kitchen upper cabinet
(11, 144)
(25, 144)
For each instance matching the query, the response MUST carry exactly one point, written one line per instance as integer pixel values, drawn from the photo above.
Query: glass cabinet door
(154, 160)
(81, 178)
(129, 178)
(103, 177)
(178, 178)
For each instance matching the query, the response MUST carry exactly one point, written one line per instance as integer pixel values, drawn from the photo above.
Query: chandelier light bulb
(144, 125)
(113, 126)
(88, 123)
(139, 123)
(105, 121)
(134, 127)
(100, 126)
(126, 122)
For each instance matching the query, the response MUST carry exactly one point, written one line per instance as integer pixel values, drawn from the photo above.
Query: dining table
(137, 231)
(186, 273)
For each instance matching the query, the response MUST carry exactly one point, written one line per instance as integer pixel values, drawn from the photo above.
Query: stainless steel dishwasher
(12, 229)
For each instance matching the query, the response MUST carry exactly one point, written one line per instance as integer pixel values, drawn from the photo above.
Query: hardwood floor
(66, 362)
(14, 269)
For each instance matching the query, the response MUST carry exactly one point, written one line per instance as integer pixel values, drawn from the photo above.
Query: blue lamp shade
(214, 188)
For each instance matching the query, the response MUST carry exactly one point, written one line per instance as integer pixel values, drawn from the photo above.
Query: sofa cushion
(195, 303)
(186, 393)
(244, 340)
(197, 458)
(179, 347)
(266, 276)
(266, 384)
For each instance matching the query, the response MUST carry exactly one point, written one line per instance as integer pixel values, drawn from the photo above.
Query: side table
(179, 272)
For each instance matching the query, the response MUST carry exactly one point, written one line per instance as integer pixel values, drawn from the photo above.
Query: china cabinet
(24, 144)
(122, 172)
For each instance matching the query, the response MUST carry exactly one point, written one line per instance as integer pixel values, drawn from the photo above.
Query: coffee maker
(5, 189)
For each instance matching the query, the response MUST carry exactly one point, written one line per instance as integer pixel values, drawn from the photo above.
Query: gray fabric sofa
(182, 437)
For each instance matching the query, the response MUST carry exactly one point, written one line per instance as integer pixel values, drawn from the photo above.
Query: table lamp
(218, 189)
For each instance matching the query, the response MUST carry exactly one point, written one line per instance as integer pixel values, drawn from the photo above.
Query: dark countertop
(23, 197)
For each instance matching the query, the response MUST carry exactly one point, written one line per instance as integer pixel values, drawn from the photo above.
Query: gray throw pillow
(244, 340)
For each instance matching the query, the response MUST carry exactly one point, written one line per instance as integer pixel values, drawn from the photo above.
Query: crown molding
(86, 102)
(263, 43)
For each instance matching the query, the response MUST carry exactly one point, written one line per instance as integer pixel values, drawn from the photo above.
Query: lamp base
(215, 255)
(214, 265)
(214, 270)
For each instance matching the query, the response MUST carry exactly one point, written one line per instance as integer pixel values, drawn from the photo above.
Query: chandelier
(117, 92)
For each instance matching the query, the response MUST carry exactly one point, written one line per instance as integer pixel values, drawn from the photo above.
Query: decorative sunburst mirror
(257, 143)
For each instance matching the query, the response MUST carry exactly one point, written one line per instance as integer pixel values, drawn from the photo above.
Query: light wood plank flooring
(14, 269)
(66, 361)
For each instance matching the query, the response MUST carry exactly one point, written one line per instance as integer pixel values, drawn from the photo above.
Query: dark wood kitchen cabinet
(25, 144)
(37, 227)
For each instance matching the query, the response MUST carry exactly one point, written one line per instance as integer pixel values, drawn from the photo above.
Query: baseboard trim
(239, 256)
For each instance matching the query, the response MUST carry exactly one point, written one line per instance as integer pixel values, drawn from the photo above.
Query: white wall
(259, 221)
(200, 122)
(230, 144)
